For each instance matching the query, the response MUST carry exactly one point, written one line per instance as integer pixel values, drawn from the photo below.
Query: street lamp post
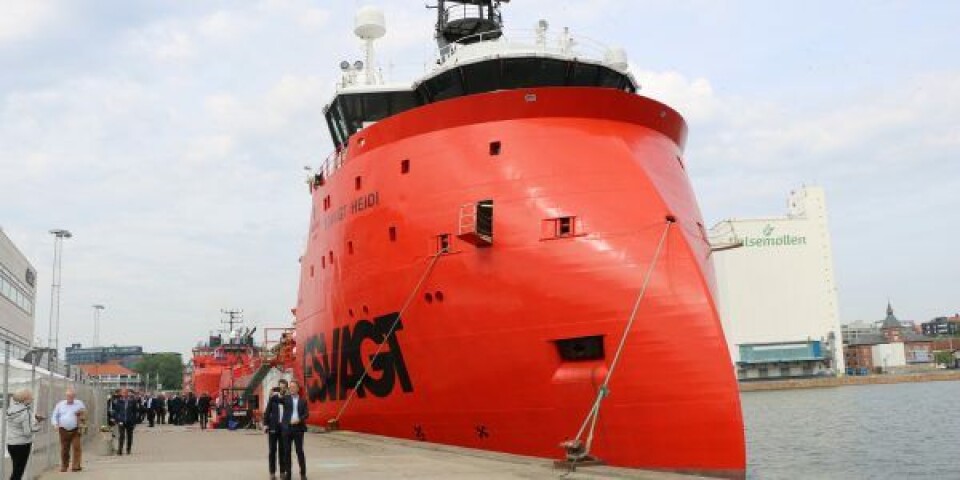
(53, 328)
(97, 309)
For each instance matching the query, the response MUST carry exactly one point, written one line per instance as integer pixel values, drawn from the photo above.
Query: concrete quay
(169, 452)
(826, 382)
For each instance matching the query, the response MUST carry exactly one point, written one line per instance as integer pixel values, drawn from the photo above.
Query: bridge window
(351, 112)
(516, 73)
(482, 77)
(533, 72)
(446, 86)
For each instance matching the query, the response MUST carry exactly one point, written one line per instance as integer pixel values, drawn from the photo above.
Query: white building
(779, 285)
(889, 355)
(18, 290)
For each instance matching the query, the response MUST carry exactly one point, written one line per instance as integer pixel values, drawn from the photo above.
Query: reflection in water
(908, 430)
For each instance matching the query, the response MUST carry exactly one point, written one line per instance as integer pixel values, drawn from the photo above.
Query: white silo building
(776, 291)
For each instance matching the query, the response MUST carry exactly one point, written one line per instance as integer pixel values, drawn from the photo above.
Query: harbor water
(907, 430)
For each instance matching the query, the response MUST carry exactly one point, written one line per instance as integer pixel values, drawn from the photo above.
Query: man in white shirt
(69, 417)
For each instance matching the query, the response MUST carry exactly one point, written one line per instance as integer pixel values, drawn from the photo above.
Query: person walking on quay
(293, 426)
(190, 406)
(69, 417)
(203, 407)
(174, 405)
(272, 418)
(150, 404)
(161, 403)
(21, 425)
(124, 414)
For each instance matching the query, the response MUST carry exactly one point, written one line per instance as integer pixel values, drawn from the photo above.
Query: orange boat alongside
(482, 239)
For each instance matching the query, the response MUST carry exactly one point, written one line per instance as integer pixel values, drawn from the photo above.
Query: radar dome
(370, 23)
(617, 59)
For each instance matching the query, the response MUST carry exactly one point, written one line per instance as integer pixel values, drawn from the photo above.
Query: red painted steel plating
(478, 341)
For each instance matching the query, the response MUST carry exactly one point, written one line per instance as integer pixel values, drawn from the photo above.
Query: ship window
(580, 349)
(349, 113)
(608, 78)
(350, 248)
(405, 167)
(564, 226)
(335, 133)
(311, 271)
(445, 86)
(357, 183)
(495, 148)
(482, 77)
(533, 72)
(393, 234)
(584, 75)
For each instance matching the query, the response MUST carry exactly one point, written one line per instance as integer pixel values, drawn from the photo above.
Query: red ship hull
(475, 361)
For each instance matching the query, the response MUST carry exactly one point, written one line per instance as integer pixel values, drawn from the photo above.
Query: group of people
(126, 410)
(68, 417)
(284, 421)
(175, 409)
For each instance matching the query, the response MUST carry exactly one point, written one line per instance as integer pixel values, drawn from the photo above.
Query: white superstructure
(18, 290)
(779, 285)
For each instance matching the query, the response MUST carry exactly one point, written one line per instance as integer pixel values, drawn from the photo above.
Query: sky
(170, 138)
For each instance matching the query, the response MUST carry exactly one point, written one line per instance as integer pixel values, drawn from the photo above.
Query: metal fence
(48, 388)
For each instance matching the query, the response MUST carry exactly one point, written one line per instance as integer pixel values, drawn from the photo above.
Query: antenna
(369, 25)
(234, 317)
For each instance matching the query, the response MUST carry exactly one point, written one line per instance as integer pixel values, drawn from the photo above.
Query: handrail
(536, 40)
(332, 163)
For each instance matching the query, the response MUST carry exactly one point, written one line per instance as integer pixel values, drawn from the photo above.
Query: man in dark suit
(175, 405)
(203, 409)
(149, 403)
(292, 427)
(190, 408)
(124, 413)
(161, 403)
(272, 418)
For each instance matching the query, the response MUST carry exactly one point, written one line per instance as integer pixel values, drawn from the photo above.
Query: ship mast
(234, 317)
(467, 21)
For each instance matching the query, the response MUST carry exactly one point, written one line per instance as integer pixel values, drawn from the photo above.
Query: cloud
(164, 41)
(225, 25)
(693, 98)
(24, 19)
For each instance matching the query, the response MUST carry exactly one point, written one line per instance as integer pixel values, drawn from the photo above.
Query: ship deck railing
(332, 163)
(540, 41)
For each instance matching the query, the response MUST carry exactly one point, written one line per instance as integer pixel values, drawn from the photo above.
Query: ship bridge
(476, 55)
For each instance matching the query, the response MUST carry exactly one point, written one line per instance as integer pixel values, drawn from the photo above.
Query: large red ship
(507, 254)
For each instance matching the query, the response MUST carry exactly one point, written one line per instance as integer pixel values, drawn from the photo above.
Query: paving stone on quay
(169, 452)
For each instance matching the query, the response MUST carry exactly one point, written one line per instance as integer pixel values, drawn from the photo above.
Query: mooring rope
(594, 413)
(406, 304)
